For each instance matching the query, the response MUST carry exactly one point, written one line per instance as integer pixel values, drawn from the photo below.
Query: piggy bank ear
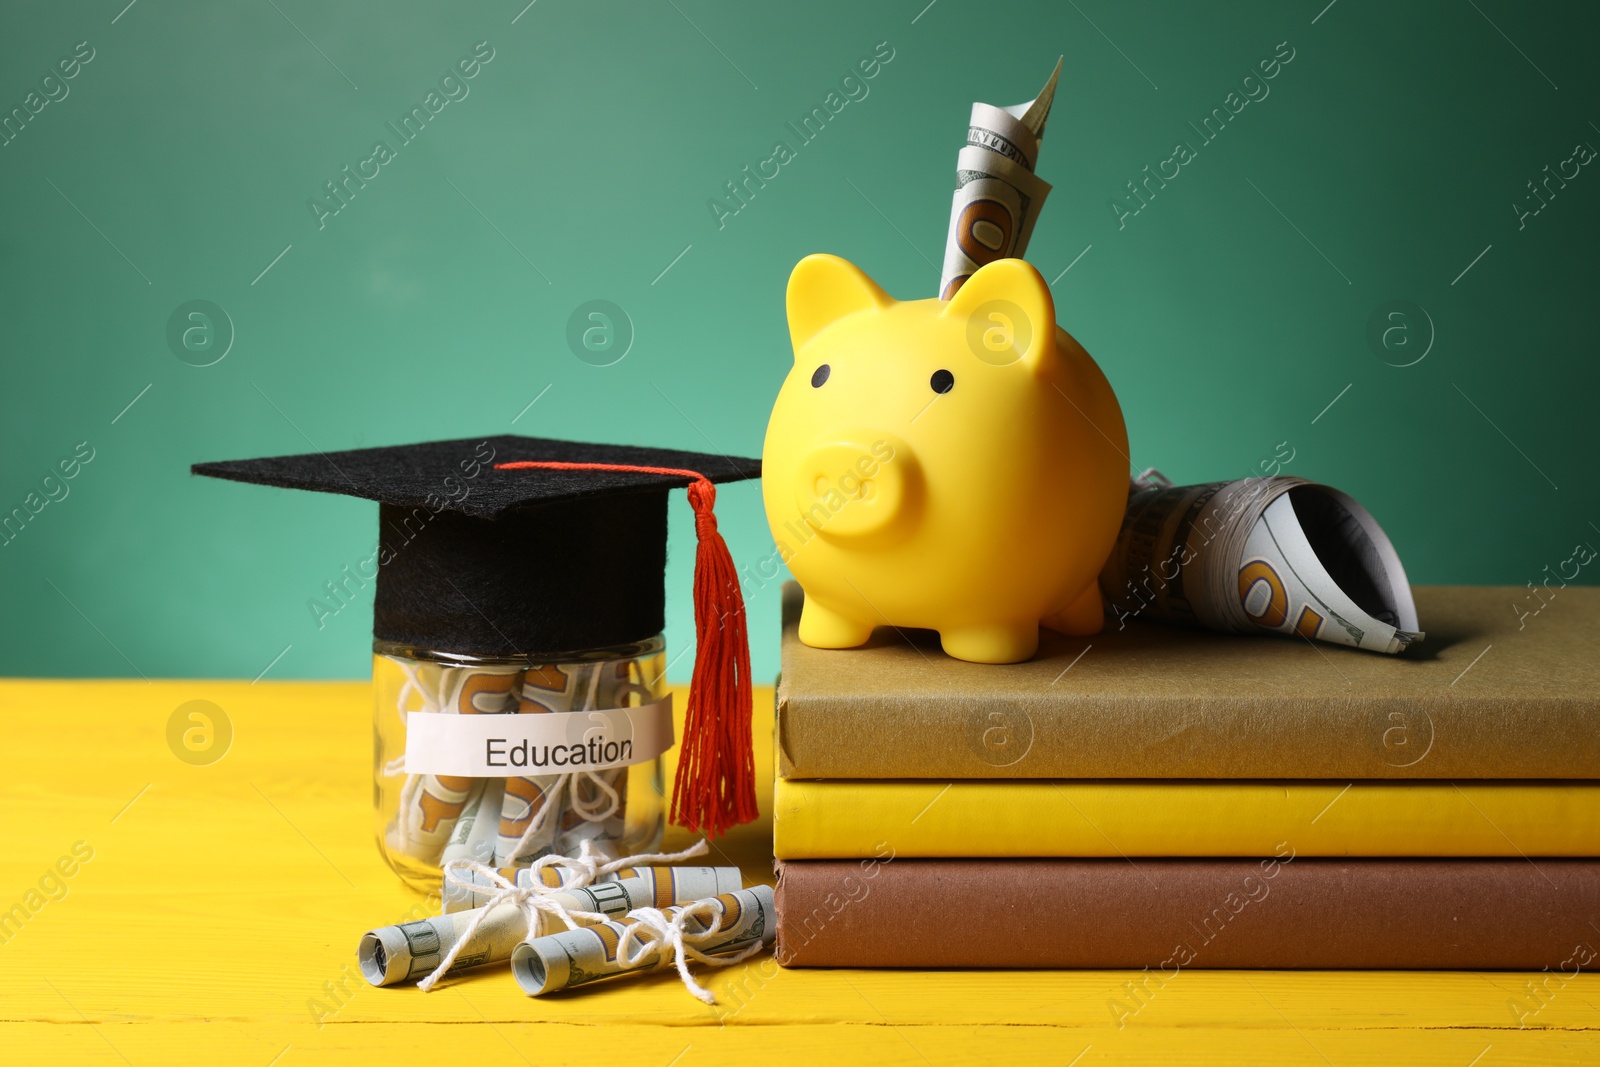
(1015, 316)
(824, 289)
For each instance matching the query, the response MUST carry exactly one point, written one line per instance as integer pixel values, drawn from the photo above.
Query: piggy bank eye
(819, 376)
(942, 381)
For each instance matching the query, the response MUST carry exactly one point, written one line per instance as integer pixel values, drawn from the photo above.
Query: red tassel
(716, 785)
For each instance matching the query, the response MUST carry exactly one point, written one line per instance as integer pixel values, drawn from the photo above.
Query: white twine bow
(577, 872)
(653, 933)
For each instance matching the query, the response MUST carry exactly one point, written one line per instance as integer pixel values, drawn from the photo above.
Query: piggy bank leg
(1084, 616)
(996, 643)
(822, 627)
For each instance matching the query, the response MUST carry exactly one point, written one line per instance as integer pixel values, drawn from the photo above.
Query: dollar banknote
(1280, 555)
(571, 958)
(670, 883)
(457, 897)
(998, 196)
(389, 955)
(537, 797)
(596, 805)
(431, 806)
(474, 836)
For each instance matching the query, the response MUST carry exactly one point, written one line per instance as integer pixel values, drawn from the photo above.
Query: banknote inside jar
(427, 820)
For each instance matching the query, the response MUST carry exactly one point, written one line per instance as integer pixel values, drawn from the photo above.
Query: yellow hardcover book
(845, 819)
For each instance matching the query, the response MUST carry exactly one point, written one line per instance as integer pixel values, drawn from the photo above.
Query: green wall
(1228, 312)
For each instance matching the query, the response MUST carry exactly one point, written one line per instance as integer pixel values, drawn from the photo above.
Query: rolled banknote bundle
(530, 811)
(671, 884)
(431, 806)
(458, 897)
(998, 196)
(474, 836)
(722, 929)
(595, 804)
(411, 951)
(1259, 555)
(593, 810)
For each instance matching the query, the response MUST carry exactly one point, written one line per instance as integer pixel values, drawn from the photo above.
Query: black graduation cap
(523, 546)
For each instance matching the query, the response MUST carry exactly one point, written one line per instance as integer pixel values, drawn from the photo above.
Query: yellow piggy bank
(954, 465)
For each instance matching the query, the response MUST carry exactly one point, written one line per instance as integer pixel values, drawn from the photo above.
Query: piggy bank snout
(856, 486)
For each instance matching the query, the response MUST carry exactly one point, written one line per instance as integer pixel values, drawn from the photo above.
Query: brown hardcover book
(1172, 914)
(1490, 693)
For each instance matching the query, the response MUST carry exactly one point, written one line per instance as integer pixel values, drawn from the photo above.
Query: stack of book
(1161, 798)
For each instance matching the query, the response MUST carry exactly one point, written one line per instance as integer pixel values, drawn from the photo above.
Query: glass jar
(579, 735)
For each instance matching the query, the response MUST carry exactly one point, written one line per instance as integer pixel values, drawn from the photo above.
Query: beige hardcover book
(1496, 691)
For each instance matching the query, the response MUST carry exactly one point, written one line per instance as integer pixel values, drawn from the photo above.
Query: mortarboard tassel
(715, 788)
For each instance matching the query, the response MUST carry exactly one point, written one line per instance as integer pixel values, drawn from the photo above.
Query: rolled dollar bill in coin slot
(998, 197)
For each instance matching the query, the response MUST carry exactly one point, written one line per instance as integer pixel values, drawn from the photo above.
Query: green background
(1227, 314)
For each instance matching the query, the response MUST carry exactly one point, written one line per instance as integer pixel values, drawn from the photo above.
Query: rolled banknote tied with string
(474, 836)
(998, 197)
(597, 810)
(531, 806)
(432, 806)
(672, 884)
(1259, 555)
(457, 897)
(389, 955)
(554, 813)
(717, 931)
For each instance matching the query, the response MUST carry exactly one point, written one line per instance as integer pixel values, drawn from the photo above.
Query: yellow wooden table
(211, 915)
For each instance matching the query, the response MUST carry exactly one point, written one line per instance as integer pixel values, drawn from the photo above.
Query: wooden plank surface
(216, 917)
